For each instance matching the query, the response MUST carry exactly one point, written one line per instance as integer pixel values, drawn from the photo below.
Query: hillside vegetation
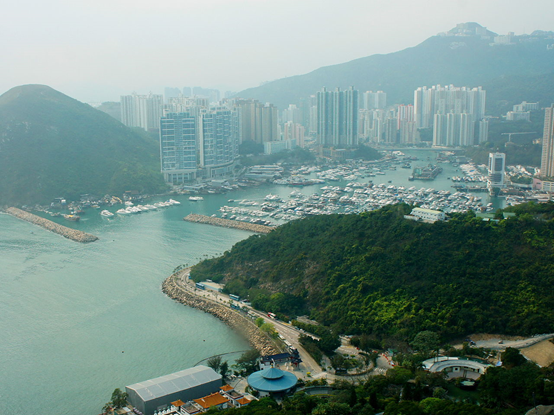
(510, 74)
(52, 145)
(378, 273)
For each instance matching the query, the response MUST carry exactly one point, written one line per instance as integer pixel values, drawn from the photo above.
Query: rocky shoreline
(73, 234)
(226, 223)
(232, 318)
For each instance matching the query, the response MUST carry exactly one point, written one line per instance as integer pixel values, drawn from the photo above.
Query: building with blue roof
(272, 381)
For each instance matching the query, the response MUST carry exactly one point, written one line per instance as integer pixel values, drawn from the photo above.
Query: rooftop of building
(211, 400)
(272, 380)
(174, 382)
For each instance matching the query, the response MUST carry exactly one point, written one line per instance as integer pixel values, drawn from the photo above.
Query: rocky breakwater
(73, 234)
(234, 319)
(226, 223)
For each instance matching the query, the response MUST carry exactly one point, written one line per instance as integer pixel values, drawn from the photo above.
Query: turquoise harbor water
(78, 320)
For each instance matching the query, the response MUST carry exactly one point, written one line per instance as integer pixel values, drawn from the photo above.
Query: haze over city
(97, 51)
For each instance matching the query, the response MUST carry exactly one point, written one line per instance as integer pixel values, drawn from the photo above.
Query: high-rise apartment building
(292, 114)
(374, 100)
(259, 122)
(371, 125)
(497, 169)
(452, 112)
(294, 131)
(453, 130)
(547, 158)
(142, 111)
(198, 145)
(337, 118)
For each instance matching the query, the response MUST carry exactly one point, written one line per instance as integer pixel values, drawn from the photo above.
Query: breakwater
(226, 223)
(233, 319)
(73, 234)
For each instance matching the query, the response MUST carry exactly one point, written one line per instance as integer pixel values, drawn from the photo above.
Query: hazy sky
(97, 50)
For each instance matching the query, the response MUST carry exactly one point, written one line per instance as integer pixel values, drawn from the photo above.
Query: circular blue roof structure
(272, 380)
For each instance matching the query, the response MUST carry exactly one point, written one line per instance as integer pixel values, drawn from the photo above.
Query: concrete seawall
(226, 223)
(73, 234)
(233, 319)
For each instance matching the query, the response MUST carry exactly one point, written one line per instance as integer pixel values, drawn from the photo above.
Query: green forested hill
(52, 145)
(380, 273)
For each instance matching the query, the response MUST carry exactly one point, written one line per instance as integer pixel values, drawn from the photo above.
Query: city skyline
(97, 52)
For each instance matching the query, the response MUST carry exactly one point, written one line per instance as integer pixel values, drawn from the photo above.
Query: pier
(226, 223)
(73, 234)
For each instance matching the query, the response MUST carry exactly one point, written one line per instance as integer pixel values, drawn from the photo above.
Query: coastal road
(287, 331)
(290, 334)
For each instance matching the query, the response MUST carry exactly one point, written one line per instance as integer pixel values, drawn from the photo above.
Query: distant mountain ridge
(450, 58)
(52, 145)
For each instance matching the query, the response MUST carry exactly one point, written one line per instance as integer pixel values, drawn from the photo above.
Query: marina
(60, 300)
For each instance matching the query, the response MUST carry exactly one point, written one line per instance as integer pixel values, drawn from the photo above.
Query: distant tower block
(497, 168)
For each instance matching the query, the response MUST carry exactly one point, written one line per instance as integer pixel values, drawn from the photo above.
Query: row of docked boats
(131, 209)
(354, 198)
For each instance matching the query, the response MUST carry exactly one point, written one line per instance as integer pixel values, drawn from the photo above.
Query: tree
(259, 321)
(426, 341)
(247, 363)
(214, 362)
(108, 408)
(338, 361)
(119, 398)
(224, 369)
(512, 357)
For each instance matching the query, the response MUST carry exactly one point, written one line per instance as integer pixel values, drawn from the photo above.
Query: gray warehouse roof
(174, 382)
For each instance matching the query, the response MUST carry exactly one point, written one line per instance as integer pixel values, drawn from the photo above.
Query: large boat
(196, 198)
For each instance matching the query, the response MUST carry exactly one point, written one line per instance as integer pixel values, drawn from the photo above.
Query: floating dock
(73, 234)
(226, 223)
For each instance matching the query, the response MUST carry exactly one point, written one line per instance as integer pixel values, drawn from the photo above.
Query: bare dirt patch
(541, 353)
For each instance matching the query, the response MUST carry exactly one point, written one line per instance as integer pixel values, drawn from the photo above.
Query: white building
(497, 169)
(456, 367)
(142, 111)
(199, 144)
(427, 215)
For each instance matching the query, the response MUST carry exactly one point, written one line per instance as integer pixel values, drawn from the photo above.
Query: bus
(234, 297)
(271, 315)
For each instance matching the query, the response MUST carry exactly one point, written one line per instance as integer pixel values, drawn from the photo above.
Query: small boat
(196, 198)
(72, 218)
(123, 212)
(106, 214)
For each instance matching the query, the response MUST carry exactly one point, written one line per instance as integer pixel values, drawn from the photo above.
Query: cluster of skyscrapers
(200, 133)
(456, 114)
